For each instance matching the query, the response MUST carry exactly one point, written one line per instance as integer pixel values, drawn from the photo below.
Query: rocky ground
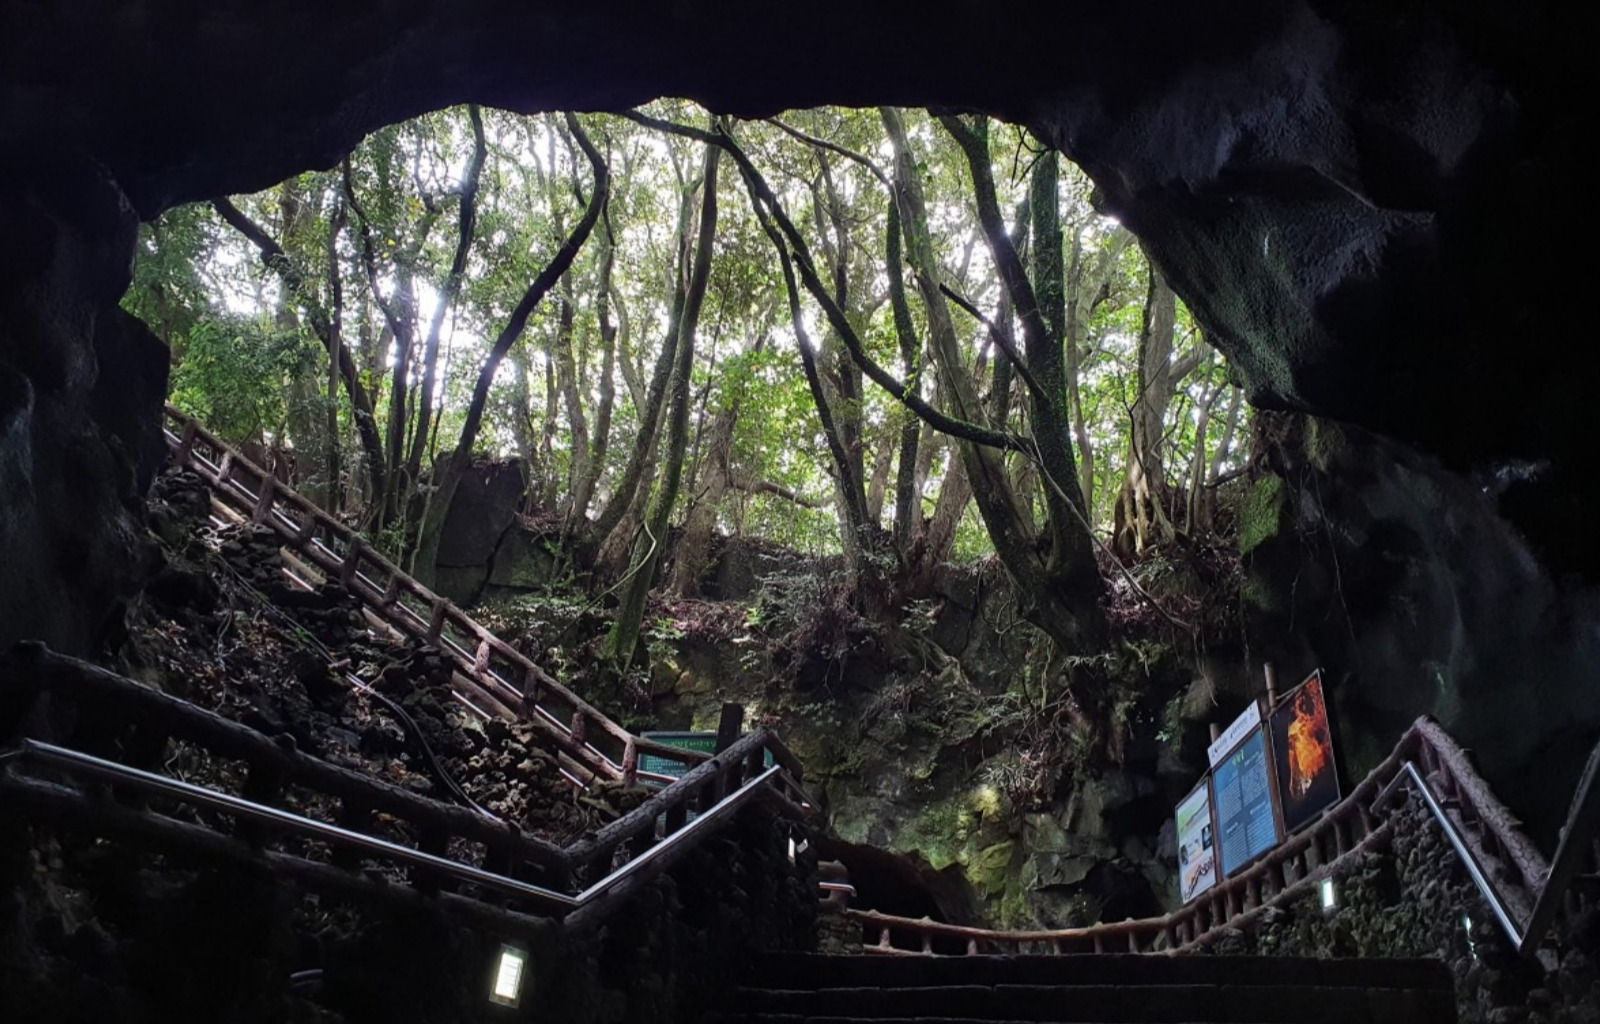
(956, 782)
(221, 625)
(115, 934)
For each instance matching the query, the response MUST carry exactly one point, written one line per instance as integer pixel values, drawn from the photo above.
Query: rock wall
(483, 518)
(1417, 900)
(81, 387)
(1400, 577)
(922, 741)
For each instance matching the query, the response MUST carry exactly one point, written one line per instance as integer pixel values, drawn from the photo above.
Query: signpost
(702, 741)
(658, 765)
(1197, 855)
(1248, 719)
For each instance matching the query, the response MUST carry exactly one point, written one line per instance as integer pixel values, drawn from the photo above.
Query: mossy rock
(990, 871)
(1256, 592)
(1261, 513)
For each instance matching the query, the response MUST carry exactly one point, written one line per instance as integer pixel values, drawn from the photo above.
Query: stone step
(1107, 1004)
(802, 971)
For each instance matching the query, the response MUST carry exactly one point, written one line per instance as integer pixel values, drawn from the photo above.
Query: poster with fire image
(1302, 747)
(1197, 855)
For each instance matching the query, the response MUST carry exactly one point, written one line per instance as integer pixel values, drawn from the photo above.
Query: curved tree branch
(762, 196)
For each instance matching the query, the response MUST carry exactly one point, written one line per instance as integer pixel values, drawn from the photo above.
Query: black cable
(408, 725)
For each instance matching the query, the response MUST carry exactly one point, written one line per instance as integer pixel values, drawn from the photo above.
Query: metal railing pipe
(149, 782)
(1464, 853)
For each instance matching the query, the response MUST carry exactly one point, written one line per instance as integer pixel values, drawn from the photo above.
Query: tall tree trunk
(466, 227)
(1061, 590)
(584, 482)
(1088, 286)
(1225, 443)
(1195, 486)
(1142, 520)
(439, 501)
(693, 554)
(567, 380)
(908, 481)
(522, 414)
(330, 458)
(936, 538)
(878, 483)
(624, 637)
(622, 496)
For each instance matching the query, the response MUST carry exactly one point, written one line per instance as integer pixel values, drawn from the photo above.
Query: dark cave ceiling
(1359, 200)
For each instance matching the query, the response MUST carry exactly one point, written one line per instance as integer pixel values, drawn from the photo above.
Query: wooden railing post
(191, 430)
(351, 563)
(357, 817)
(630, 762)
(264, 499)
(441, 608)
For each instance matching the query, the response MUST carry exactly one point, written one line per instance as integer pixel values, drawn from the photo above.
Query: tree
(449, 479)
(624, 637)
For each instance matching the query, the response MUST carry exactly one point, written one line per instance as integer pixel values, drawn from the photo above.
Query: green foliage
(247, 360)
(234, 376)
(809, 615)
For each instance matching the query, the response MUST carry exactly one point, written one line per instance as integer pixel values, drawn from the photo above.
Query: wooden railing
(442, 847)
(1513, 871)
(491, 676)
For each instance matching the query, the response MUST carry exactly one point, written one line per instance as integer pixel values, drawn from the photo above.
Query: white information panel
(1234, 734)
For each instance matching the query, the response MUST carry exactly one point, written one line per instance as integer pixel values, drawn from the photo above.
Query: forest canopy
(900, 337)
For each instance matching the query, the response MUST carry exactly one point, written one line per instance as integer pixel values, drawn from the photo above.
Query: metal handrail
(1464, 853)
(724, 807)
(149, 782)
(1577, 841)
(286, 821)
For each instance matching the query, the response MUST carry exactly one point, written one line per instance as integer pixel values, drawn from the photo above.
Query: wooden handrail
(40, 670)
(494, 667)
(1290, 869)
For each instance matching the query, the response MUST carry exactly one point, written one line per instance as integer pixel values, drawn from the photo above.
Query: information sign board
(1197, 854)
(1246, 825)
(658, 765)
(655, 764)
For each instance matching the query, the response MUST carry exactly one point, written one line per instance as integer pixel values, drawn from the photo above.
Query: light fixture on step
(508, 976)
(798, 844)
(1330, 896)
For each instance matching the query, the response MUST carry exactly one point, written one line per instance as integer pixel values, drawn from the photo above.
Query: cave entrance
(906, 885)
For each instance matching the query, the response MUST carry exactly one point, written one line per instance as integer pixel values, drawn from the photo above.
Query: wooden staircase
(491, 678)
(1106, 988)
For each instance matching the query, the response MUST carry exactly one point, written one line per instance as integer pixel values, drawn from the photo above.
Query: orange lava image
(1309, 742)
